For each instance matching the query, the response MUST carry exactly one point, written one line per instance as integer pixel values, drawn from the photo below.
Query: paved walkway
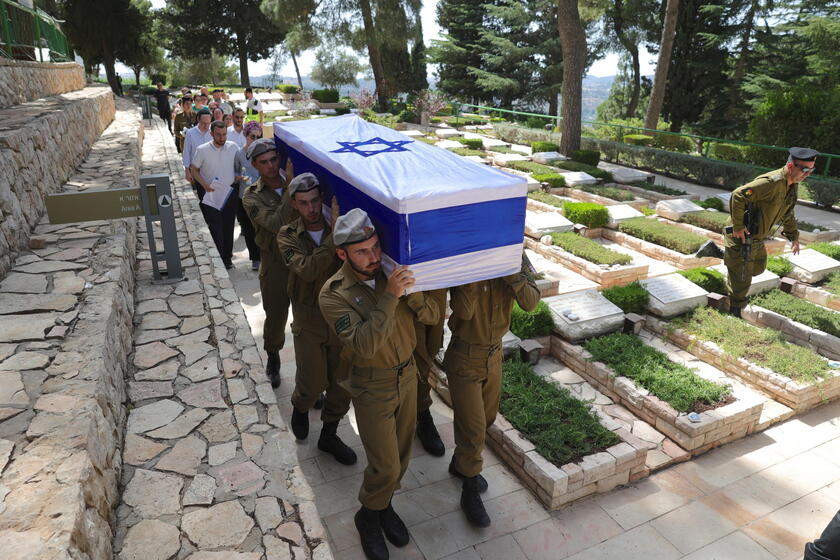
(759, 498)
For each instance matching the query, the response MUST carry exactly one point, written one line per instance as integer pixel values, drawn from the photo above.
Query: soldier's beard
(370, 274)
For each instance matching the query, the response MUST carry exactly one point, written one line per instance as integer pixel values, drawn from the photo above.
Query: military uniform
(317, 347)
(182, 121)
(775, 201)
(429, 343)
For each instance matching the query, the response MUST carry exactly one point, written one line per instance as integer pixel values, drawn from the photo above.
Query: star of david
(388, 147)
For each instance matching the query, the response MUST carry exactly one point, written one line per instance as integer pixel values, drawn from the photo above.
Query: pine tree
(461, 23)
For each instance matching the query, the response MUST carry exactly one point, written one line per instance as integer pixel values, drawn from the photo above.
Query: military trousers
(475, 384)
(274, 277)
(740, 272)
(424, 367)
(317, 357)
(385, 404)
(827, 547)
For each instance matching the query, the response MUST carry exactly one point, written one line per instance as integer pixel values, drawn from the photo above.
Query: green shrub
(673, 142)
(832, 283)
(763, 347)
(666, 235)
(647, 210)
(473, 143)
(541, 146)
(546, 198)
(712, 203)
(342, 110)
(638, 139)
(632, 298)
(148, 90)
(589, 157)
(587, 213)
(594, 171)
(562, 428)
(408, 116)
(325, 95)
(501, 149)
(531, 324)
(808, 226)
(674, 383)
(827, 249)
(661, 189)
(589, 249)
(553, 180)
(531, 167)
(800, 310)
(288, 88)
(467, 152)
(728, 152)
(707, 278)
(779, 266)
(824, 193)
(435, 120)
(536, 122)
(707, 219)
(613, 193)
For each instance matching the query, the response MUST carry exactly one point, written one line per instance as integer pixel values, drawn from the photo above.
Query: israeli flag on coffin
(450, 220)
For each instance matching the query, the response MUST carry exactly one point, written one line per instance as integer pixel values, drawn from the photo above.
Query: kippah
(803, 154)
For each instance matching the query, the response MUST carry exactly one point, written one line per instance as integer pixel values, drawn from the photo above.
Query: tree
(334, 68)
(276, 65)
(460, 49)
(660, 78)
(99, 30)
(629, 20)
(232, 29)
(573, 43)
(615, 105)
(145, 52)
(210, 69)
(298, 17)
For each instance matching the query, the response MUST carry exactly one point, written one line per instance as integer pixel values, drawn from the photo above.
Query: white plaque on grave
(503, 159)
(578, 178)
(447, 132)
(547, 158)
(412, 132)
(585, 314)
(620, 212)
(538, 224)
(764, 282)
(490, 143)
(477, 159)
(811, 266)
(519, 148)
(446, 144)
(673, 295)
(624, 175)
(676, 208)
(725, 198)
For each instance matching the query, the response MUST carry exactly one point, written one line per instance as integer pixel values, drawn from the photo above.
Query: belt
(474, 350)
(372, 371)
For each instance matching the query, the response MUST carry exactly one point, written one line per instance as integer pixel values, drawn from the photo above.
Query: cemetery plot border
(653, 195)
(607, 278)
(773, 246)
(800, 396)
(793, 331)
(658, 252)
(583, 196)
(807, 237)
(816, 294)
(716, 427)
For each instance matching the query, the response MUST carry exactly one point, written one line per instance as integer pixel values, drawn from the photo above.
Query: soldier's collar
(300, 227)
(349, 278)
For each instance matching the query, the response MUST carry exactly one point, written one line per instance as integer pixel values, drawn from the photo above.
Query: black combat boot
(482, 482)
(393, 526)
(370, 533)
(735, 312)
(428, 434)
(329, 442)
(272, 368)
(471, 503)
(300, 423)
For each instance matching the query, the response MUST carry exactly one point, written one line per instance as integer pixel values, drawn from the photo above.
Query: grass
(763, 347)
(546, 198)
(827, 249)
(666, 235)
(562, 428)
(467, 152)
(647, 210)
(502, 150)
(661, 189)
(808, 226)
(530, 324)
(613, 193)
(800, 310)
(779, 266)
(531, 167)
(588, 249)
(709, 279)
(669, 381)
(632, 298)
(589, 214)
(832, 283)
(707, 219)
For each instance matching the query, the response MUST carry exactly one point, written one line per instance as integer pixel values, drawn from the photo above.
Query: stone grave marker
(447, 133)
(624, 175)
(762, 283)
(673, 295)
(503, 159)
(725, 198)
(490, 143)
(446, 144)
(547, 158)
(811, 266)
(538, 224)
(621, 212)
(519, 148)
(413, 133)
(676, 208)
(477, 159)
(577, 178)
(580, 315)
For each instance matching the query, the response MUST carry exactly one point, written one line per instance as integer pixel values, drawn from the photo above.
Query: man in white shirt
(253, 107)
(224, 105)
(213, 168)
(236, 131)
(193, 138)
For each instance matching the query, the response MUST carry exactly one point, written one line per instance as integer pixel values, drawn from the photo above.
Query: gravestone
(764, 282)
(811, 266)
(412, 133)
(578, 178)
(567, 280)
(676, 208)
(328, 111)
(477, 159)
(503, 159)
(624, 175)
(621, 212)
(547, 158)
(725, 198)
(585, 314)
(520, 149)
(446, 144)
(538, 224)
(490, 143)
(447, 133)
(673, 295)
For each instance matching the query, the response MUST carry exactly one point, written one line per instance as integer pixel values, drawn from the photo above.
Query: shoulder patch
(776, 177)
(342, 323)
(288, 254)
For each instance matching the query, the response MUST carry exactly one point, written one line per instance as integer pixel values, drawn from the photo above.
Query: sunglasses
(805, 170)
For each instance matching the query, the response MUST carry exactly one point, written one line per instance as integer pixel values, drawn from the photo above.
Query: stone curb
(659, 252)
(822, 343)
(817, 295)
(584, 196)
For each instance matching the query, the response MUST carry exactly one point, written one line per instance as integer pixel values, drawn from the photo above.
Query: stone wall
(26, 81)
(65, 332)
(41, 144)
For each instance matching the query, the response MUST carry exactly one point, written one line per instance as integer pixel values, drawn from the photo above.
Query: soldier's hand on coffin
(399, 281)
(290, 171)
(335, 212)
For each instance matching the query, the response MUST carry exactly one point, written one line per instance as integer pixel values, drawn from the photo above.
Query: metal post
(156, 195)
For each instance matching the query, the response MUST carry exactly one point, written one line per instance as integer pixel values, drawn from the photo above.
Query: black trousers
(220, 223)
(827, 547)
(248, 231)
(166, 116)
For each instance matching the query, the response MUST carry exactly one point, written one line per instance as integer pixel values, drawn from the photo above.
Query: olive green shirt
(771, 194)
(269, 212)
(310, 265)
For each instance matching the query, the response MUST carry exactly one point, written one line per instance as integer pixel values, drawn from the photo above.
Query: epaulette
(775, 177)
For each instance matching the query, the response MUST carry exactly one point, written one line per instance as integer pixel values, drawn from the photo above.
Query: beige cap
(353, 227)
(304, 182)
(259, 147)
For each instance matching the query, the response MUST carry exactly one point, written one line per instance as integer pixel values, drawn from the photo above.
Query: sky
(605, 67)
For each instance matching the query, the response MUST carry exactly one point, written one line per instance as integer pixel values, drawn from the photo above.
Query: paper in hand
(218, 197)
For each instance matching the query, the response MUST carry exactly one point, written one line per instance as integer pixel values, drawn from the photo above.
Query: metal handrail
(25, 34)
